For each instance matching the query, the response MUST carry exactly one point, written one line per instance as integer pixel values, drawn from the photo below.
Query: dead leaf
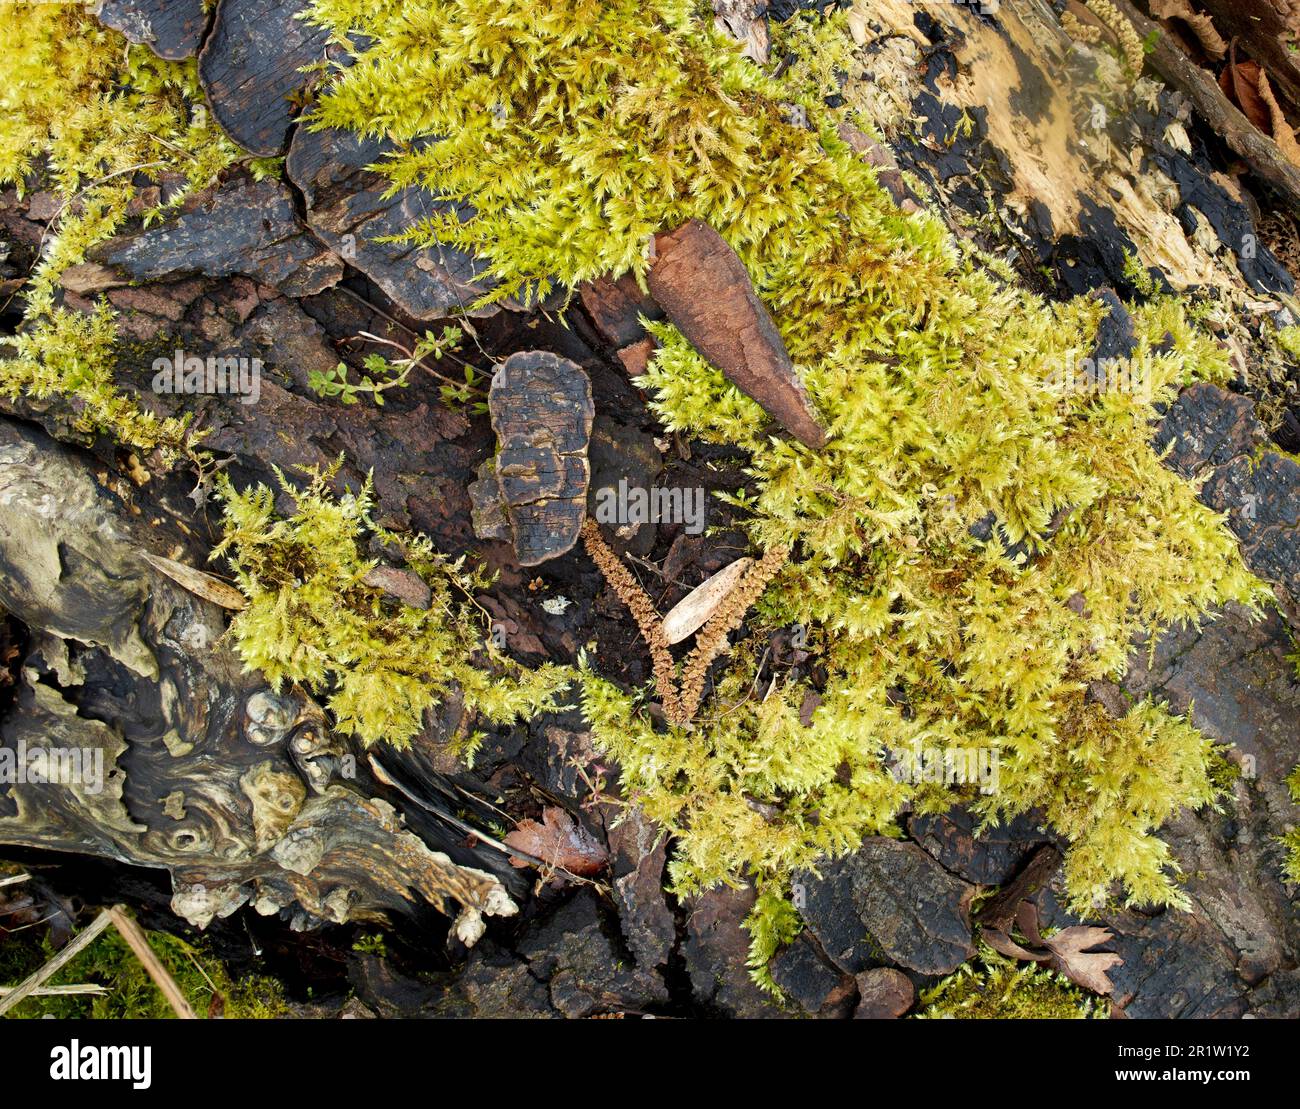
(1200, 23)
(1005, 945)
(560, 841)
(1240, 84)
(1085, 968)
(1247, 86)
(692, 612)
(1278, 126)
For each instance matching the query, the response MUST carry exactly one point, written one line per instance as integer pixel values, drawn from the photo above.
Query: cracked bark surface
(172, 29)
(251, 69)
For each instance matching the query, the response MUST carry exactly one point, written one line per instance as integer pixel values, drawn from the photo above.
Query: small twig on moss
(39, 977)
(135, 939)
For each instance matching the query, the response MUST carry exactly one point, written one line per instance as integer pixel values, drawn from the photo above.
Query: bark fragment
(242, 227)
(172, 29)
(251, 67)
(347, 208)
(542, 411)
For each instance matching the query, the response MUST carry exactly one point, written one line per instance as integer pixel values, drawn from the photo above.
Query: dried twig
(84, 989)
(136, 941)
(38, 978)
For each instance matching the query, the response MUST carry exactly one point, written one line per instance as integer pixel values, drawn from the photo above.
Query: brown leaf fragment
(1246, 85)
(560, 841)
(1085, 968)
(694, 610)
(1005, 945)
(1278, 126)
(705, 291)
(1200, 23)
(1240, 84)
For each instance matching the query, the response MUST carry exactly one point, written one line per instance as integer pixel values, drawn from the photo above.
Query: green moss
(577, 130)
(131, 993)
(1001, 990)
(1288, 338)
(381, 664)
(1291, 840)
(90, 116)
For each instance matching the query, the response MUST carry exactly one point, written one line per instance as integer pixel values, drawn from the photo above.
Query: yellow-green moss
(1000, 990)
(577, 130)
(381, 664)
(1291, 840)
(86, 113)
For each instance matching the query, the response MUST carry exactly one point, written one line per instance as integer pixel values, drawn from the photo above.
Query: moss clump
(312, 618)
(94, 118)
(1002, 991)
(984, 533)
(1291, 840)
(131, 993)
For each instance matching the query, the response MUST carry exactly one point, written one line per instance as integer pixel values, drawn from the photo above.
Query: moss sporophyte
(576, 130)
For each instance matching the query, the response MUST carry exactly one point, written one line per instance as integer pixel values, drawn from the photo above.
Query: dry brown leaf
(1247, 86)
(1072, 958)
(560, 841)
(1005, 945)
(1240, 84)
(1279, 128)
(1200, 23)
(197, 582)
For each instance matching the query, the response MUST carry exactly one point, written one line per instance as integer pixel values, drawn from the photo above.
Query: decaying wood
(347, 206)
(1243, 138)
(71, 950)
(242, 794)
(135, 940)
(746, 22)
(251, 67)
(239, 227)
(172, 29)
(694, 610)
(1000, 909)
(705, 290)
(542, 412)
